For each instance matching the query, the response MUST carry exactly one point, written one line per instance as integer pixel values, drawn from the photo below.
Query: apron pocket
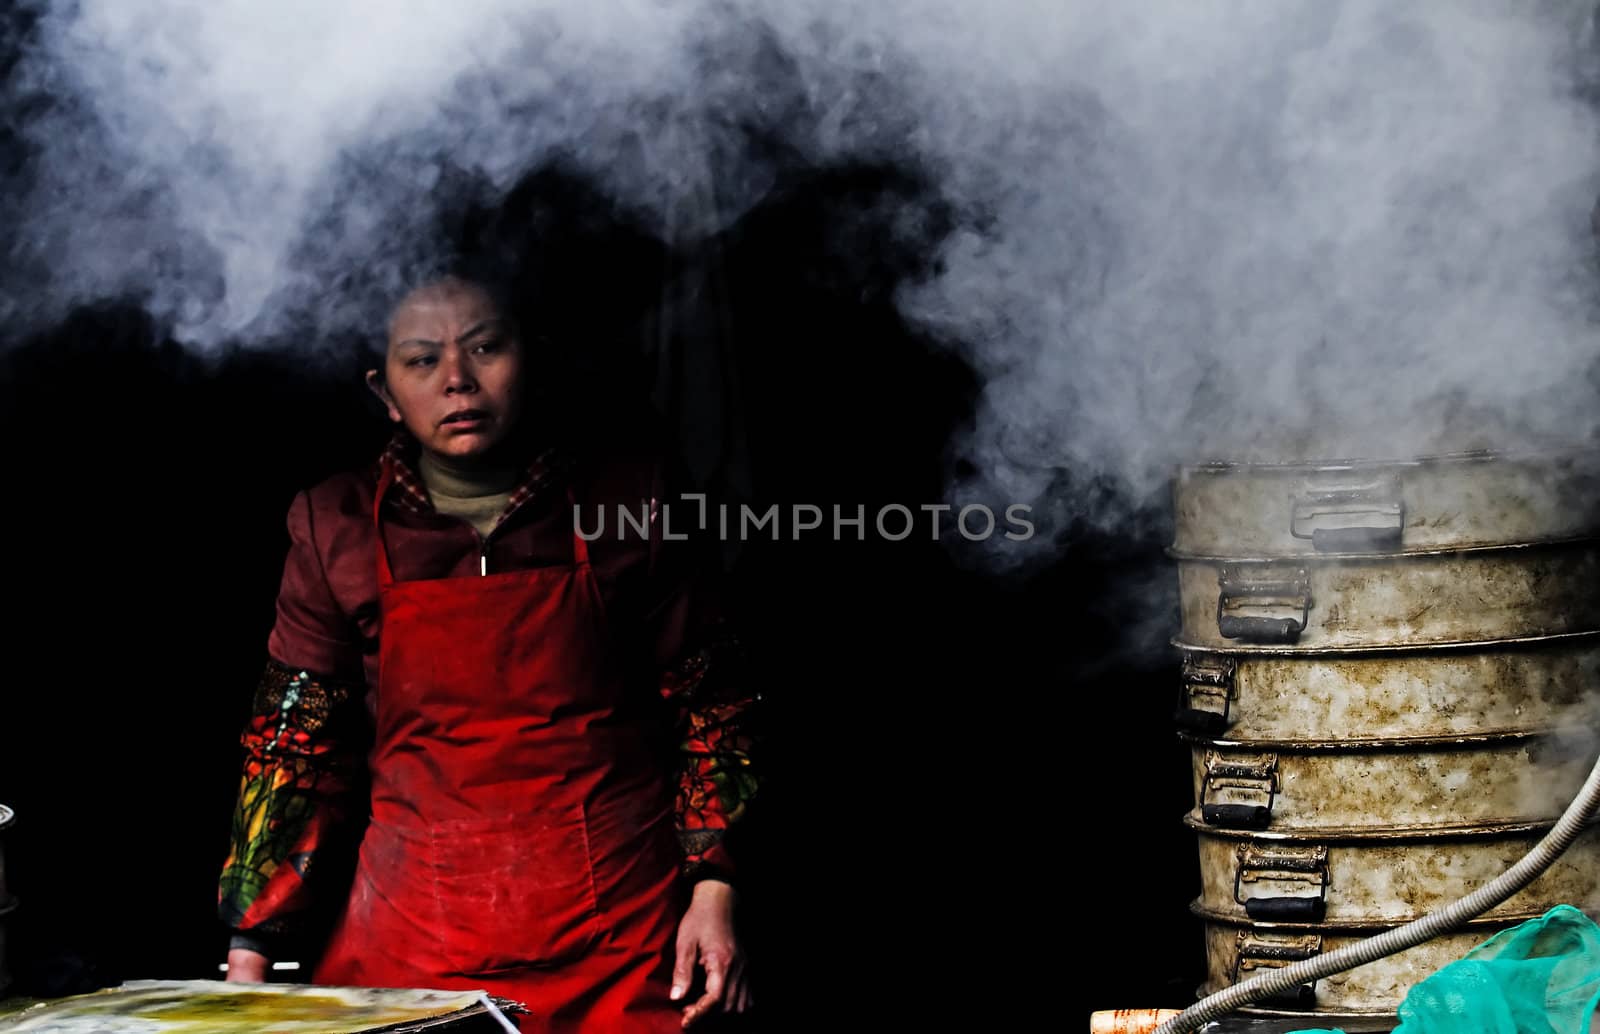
(514, 892)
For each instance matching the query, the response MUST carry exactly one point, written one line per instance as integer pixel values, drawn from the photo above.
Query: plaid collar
(548, 466)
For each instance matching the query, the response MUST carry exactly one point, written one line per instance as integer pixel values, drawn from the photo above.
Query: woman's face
(453, 373)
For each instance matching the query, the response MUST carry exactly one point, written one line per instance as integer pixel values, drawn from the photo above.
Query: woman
(514, 727)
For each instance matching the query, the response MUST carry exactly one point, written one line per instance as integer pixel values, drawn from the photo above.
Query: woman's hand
(247, 967)
(705, 934)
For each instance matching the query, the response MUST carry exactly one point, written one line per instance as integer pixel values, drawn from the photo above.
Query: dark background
(971, 815)
(973, 799)
(973, 792)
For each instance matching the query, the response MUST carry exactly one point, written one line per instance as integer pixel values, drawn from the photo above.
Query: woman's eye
(420, 360)
(491, 345)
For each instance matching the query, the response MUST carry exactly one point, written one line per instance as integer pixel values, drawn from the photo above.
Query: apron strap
(580, 548)
(385, 479)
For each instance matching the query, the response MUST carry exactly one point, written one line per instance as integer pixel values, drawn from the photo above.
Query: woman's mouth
(465, 419)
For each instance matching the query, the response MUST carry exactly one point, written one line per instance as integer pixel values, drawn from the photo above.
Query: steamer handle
(1259, 629)
(1286, 910)
(1363, 520)
(1262, 606)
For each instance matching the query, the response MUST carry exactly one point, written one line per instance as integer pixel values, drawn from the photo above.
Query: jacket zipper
(483, 545)
(483, 540)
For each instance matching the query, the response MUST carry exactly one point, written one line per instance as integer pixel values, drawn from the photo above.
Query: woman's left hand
(705, 934)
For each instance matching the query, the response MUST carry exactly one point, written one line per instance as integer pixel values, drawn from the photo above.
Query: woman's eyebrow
(492, 323)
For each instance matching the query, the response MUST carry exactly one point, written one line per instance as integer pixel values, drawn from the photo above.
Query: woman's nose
(458, 376)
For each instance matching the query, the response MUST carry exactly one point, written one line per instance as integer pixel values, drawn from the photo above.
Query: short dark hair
(498, 288)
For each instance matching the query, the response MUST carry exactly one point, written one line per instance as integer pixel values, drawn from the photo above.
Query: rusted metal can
(1454, 502)
(1382, 875)
(1237, 951)
(1336, 786)
(1282, 695)
(1130, 1021)
(1389, 603)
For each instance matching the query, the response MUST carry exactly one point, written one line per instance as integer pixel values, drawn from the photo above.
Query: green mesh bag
(1542, 977)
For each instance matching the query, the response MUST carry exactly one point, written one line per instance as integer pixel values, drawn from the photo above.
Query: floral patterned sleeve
(703, 677)
(717, 774)
(301, 793)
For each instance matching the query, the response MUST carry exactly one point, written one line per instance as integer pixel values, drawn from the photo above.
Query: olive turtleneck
(478, 496)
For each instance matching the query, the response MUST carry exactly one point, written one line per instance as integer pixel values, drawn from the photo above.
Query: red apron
(522, 836)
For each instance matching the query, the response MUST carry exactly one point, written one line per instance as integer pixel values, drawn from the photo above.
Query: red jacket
(300, 799)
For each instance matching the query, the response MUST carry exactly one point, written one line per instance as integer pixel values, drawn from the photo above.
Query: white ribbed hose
(1390, 942)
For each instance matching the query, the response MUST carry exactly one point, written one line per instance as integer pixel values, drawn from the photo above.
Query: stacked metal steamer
(1391, 685)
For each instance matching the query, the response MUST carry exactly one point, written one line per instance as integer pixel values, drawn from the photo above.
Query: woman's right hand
(247, 967)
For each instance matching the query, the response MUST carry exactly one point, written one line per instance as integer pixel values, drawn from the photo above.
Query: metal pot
(1383, 876)
(1437, 503)
(1433, 784)
(1281, 696)
(1378, 603)
(1238, 951)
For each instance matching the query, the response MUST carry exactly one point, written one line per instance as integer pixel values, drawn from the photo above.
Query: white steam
(1184, 230)
(1317, 230)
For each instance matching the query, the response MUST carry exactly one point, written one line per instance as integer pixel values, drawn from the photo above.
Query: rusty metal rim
(1462, 645)
(1509, 827)
(1311, 556)
(1529, 644)
(1310, 1014)
(1344, 1018)
(1397, 744)
(1546, 456)
(1378, 744)
(1375, 834)
(1199, 911)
